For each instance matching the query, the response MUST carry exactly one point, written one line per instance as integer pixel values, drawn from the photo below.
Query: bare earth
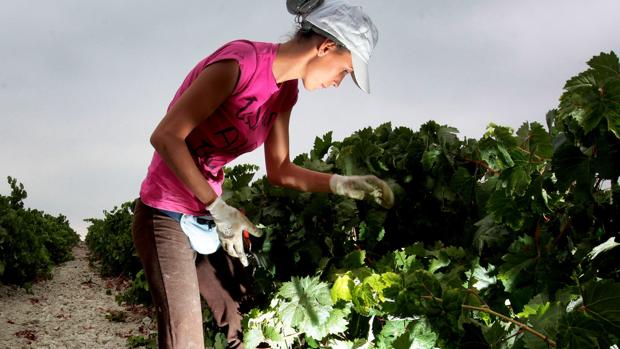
(68, 311)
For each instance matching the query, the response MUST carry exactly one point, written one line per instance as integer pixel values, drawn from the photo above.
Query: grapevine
(507, 241)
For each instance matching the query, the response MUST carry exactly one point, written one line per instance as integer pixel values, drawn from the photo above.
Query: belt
(174, 215)
(177, 217)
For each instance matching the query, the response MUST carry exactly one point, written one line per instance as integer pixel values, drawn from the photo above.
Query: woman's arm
(199, 101)
(280, 170)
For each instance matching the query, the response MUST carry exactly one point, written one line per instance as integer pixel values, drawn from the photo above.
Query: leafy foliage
(505, 241)
(31, 241)
(109, 241)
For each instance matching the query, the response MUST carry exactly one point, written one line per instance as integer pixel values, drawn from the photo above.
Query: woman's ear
(326, 46)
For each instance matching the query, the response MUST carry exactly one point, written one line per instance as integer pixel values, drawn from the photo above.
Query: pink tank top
(239, 125)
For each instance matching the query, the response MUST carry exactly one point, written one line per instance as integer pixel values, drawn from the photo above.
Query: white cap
(352, 28)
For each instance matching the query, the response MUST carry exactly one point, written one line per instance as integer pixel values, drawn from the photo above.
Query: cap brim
(360, 73)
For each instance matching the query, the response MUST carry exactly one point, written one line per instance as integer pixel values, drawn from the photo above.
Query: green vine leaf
(307, 305)
(602, 301)
(419, 334)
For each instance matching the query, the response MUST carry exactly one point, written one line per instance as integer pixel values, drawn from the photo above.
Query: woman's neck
(291, 60)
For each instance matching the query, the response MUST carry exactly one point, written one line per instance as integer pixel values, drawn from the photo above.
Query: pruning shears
(255, 259)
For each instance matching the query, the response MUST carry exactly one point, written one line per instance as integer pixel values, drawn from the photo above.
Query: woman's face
(330, 65)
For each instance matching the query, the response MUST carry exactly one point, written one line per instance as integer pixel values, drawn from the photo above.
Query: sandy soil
(69, 311)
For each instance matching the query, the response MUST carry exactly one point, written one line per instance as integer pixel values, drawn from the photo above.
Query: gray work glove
(362, 187)
(230, 224)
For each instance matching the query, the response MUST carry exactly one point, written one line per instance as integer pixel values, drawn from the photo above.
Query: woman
(233, 101)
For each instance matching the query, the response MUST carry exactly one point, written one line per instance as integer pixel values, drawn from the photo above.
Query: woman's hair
(304, 34)
(309, 32)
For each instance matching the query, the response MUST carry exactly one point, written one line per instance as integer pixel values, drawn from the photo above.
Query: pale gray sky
(83, 83)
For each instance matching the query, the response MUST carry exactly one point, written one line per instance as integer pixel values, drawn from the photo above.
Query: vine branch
(486, 309)
(509, 319)
(482, 164)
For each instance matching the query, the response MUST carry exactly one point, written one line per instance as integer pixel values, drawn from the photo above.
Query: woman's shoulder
(237, 48)
(246, 48)
(244, 52)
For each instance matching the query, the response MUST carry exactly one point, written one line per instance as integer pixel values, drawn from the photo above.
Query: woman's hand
(230, 224)
(361, 187)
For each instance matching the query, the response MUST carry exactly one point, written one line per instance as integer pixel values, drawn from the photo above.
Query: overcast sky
(84, 83)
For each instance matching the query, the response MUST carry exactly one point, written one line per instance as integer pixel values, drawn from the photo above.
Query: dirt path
(68, 311)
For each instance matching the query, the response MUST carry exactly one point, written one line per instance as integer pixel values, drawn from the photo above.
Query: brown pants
(177, 276)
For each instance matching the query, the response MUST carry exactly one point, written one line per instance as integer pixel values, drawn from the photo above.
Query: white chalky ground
(68, 311)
